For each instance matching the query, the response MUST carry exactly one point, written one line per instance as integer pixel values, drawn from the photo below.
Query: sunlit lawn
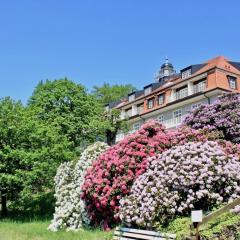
(37, 230)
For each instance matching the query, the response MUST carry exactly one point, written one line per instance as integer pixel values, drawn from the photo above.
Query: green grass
(37, 230)
(180, 226)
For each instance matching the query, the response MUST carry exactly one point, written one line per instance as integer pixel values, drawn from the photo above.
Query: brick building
(173, 95)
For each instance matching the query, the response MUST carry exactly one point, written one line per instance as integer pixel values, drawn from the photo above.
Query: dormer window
(186, 73)
(147, 90)
(161, 99)
(232, 82)
(131, 97)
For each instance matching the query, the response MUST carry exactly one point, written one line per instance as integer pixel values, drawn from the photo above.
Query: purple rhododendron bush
(222, 115)
(196, 175)
(114, 172)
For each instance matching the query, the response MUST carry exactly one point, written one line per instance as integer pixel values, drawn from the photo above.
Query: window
(131, 97)
(166, 72)
(150, 103)
(181, 93)
(160, 119)
(177, 115)
(129, 112)
(140, 109)
(196, 105)
(136, 126)
(187, 73)
(232, 82)
(147, 90)
(199, 86)
(161, 99)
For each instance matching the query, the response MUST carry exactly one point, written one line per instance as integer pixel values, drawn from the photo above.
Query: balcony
(174, 122)
(200, 87)
(188, 91)
(181, 94)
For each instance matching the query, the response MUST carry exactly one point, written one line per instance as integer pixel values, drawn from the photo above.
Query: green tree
(111, 122)
(11, 115)
(107, 93)
(66, 105)
(30, 152)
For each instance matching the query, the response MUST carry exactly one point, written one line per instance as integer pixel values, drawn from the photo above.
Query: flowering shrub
(113, 173)
(191, 176)
(222, 115)
(70, 210)
(63, 187)
(185, 134)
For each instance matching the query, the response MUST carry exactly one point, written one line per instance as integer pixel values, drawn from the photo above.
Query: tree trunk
(4, 204)
(111, 138)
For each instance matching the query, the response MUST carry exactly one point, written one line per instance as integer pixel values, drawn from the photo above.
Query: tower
(167, 70)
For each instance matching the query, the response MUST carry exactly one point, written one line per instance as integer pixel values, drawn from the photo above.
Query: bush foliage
(191, 176)
(222, 115)
(70, 211)
(114, 172)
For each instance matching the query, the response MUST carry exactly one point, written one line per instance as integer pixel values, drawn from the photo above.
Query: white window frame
(182, 93)
(160, 118)
(129, 112)
(162, 96)
(147, 90)
(177, 116)
(232, 82)
(131, 97)
(152, 105)
(195, 105)
(136, 126)
(187, 73)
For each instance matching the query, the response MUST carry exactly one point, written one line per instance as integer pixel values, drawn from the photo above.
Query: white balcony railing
(200, 87)
(181, 94)
(173, 122)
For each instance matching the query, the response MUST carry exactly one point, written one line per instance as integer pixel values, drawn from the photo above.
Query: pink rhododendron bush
(222, 115)
(70, 210)
(196, 175)
(114, 172)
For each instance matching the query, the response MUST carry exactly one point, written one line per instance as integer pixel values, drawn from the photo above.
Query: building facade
(173, 95)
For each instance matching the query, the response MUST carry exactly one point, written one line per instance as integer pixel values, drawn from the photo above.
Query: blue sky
(126, 41)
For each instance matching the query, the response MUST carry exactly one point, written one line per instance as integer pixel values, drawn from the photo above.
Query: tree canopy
(66, 105)
(107, 93)
(30, 152)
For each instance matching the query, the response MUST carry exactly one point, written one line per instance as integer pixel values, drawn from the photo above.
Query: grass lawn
(37, 230)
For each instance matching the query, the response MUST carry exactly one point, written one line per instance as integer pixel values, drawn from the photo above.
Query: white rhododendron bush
(192, 176)
(70, 211)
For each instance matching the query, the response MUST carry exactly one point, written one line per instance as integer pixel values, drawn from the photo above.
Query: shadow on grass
(18, 216)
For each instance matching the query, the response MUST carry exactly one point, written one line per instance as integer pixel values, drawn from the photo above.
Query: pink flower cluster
(192, 176)
(114, 172)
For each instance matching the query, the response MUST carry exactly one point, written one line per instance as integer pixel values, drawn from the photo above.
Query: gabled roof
(235, 64)
(196, 69)
(113, 104)
(139, 93)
